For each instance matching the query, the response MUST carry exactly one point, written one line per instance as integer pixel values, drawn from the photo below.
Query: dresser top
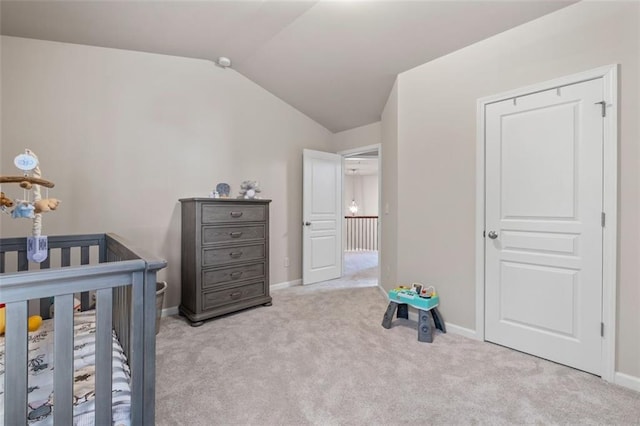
(224, 200)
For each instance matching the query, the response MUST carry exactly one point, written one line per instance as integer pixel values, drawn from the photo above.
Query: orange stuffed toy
(34, 321)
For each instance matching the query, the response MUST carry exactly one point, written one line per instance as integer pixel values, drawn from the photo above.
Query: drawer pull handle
(236, 234)
(236, 214)
(235, 295)
(235, 254)
(236, 274)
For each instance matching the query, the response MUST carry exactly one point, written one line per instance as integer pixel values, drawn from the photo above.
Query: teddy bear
(4, 201)
(46, 205)
(249, 189)
(33, 323)
(23, 209)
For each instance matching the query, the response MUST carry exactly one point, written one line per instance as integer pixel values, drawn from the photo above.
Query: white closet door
(543, 249)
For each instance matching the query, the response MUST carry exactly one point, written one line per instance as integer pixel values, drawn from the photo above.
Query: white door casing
(322, 216)
(544, 200)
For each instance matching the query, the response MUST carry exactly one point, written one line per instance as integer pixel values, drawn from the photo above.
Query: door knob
(307, 224)
(493, 235)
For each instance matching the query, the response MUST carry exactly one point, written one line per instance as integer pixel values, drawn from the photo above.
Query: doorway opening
(361, 207)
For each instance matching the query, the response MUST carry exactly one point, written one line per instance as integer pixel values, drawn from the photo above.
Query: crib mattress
(40, 371)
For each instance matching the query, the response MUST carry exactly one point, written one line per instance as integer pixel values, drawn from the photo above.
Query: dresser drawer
(234, 254)
(219, 276)
(213, 299)
(225, 234)
(233, 213)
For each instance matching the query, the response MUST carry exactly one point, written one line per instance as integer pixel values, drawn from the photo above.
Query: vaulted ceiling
(335, 61)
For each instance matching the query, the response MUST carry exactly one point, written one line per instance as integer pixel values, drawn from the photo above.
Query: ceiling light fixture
(223, 62)
(353, 208)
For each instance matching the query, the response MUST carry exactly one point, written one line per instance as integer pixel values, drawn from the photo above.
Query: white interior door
(543, 270)
(322, 216)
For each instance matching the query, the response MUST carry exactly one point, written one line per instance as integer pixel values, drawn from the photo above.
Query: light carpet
(319, 356)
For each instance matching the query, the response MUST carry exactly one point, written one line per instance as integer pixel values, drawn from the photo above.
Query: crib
(122, 281)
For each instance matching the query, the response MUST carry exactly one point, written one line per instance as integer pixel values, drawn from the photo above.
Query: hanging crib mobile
(32, 205)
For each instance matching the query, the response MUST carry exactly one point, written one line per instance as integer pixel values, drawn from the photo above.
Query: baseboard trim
(169, 311)
(462, 331)
(627, 381)
(285, 284)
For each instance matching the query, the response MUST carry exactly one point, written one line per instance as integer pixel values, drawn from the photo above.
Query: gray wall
(436, 149)
(124, 134)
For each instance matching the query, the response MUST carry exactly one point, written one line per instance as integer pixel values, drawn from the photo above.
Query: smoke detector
(223, 62)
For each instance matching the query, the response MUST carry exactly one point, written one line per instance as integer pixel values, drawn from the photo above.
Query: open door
(322, 216)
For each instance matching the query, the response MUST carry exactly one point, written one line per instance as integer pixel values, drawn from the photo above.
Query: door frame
(609, 74)
(350, 153)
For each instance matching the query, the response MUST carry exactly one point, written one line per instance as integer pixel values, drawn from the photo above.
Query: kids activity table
(401, 299)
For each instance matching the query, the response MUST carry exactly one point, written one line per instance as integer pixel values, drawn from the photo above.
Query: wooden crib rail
(63, 244)
(19, 287)
(143, 301)
(125, 284)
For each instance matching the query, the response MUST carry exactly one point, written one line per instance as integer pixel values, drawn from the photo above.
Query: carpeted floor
(319, 356)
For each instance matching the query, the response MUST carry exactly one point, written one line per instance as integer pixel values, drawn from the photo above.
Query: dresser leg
(267, 304)
(196, 324)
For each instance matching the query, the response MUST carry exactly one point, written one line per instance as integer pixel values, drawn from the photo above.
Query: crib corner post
(149, 348)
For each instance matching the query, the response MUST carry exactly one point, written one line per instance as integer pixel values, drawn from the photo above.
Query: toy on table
(33, 323)
(31, 180)
(425, 300)
(418, 296)
(249, 189)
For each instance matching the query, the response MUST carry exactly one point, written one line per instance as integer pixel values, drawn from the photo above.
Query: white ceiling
(335, 61)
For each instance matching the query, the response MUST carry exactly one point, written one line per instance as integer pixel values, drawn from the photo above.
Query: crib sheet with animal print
(40, 375)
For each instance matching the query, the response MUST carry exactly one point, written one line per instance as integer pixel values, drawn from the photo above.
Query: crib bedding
(40, 372)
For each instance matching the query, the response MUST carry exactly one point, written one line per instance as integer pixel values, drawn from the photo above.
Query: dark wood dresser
(225, 256)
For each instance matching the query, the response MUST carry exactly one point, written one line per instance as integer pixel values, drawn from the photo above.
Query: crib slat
(15, 378)
(150, 348)
(137, 357)
(23, 262)
(84, 255)
(46, 264)
(45, 302)
(85, 297)
(65, 256)
(63, 360)
(104, 306)
(45, 307)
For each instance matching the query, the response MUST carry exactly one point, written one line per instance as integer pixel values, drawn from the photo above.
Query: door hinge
(601, 329)
(603, 217)
(604, 107)
(484, 234)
